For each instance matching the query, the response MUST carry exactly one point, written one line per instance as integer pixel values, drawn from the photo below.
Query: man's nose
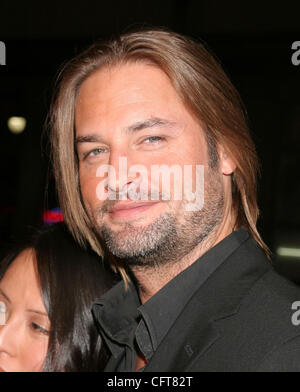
(119, 176)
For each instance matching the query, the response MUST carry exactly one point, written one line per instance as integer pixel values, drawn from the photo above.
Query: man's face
(132, 111)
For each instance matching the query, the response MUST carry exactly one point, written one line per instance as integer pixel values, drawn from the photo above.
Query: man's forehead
(136, 79)
(130, 95)
(134, 97)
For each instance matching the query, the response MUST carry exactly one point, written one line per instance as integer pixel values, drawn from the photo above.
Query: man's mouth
(129, 209)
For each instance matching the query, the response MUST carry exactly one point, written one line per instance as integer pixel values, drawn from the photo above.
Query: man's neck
(151, 280)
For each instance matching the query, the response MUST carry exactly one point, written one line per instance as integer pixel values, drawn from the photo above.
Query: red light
(53, 216)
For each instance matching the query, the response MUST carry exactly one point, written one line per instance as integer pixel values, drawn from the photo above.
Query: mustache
(119, 196)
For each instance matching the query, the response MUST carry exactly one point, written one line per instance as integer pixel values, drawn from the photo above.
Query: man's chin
(129, 242)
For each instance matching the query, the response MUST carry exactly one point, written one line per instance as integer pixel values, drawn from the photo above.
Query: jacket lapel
(188, 339)
(198, 328)
(180, 354)
(113, 363)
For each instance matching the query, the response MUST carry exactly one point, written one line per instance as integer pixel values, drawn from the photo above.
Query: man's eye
(95, 152)
(40, 329)
(153, 139)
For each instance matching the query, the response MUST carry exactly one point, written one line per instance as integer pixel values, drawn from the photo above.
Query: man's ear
(226, 163)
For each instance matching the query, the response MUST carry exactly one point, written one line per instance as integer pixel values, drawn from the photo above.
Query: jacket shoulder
(268, 315)
(283, 358)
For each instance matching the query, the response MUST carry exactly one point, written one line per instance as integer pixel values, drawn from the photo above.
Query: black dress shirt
(128, 326)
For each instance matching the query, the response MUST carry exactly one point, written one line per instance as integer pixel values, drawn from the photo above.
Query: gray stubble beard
(166, 240)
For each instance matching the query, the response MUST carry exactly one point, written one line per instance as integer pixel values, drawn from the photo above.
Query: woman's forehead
(21, 283)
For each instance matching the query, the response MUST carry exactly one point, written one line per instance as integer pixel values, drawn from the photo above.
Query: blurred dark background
(253, 41)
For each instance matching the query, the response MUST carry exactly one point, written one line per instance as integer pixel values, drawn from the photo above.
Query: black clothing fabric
(127, 324)
(228, 311)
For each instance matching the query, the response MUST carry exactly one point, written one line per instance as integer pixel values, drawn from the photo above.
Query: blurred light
(288, 252)
(52, 216)
(16, 124)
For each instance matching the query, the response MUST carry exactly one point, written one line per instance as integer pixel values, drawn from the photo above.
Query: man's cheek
(88, 186)
(101, 189)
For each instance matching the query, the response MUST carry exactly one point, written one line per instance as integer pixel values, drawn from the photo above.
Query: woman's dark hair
(71, 279)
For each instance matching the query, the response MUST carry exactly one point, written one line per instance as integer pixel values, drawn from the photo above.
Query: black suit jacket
(239, 320)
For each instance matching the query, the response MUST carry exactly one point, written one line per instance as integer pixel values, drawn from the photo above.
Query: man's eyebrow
(150, 123)
(93, 138)
(135, 127)
(5, 296)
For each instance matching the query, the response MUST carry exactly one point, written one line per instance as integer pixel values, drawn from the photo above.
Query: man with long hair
(155, 167)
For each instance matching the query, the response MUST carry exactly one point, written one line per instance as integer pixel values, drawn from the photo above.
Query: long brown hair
(203, 87)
